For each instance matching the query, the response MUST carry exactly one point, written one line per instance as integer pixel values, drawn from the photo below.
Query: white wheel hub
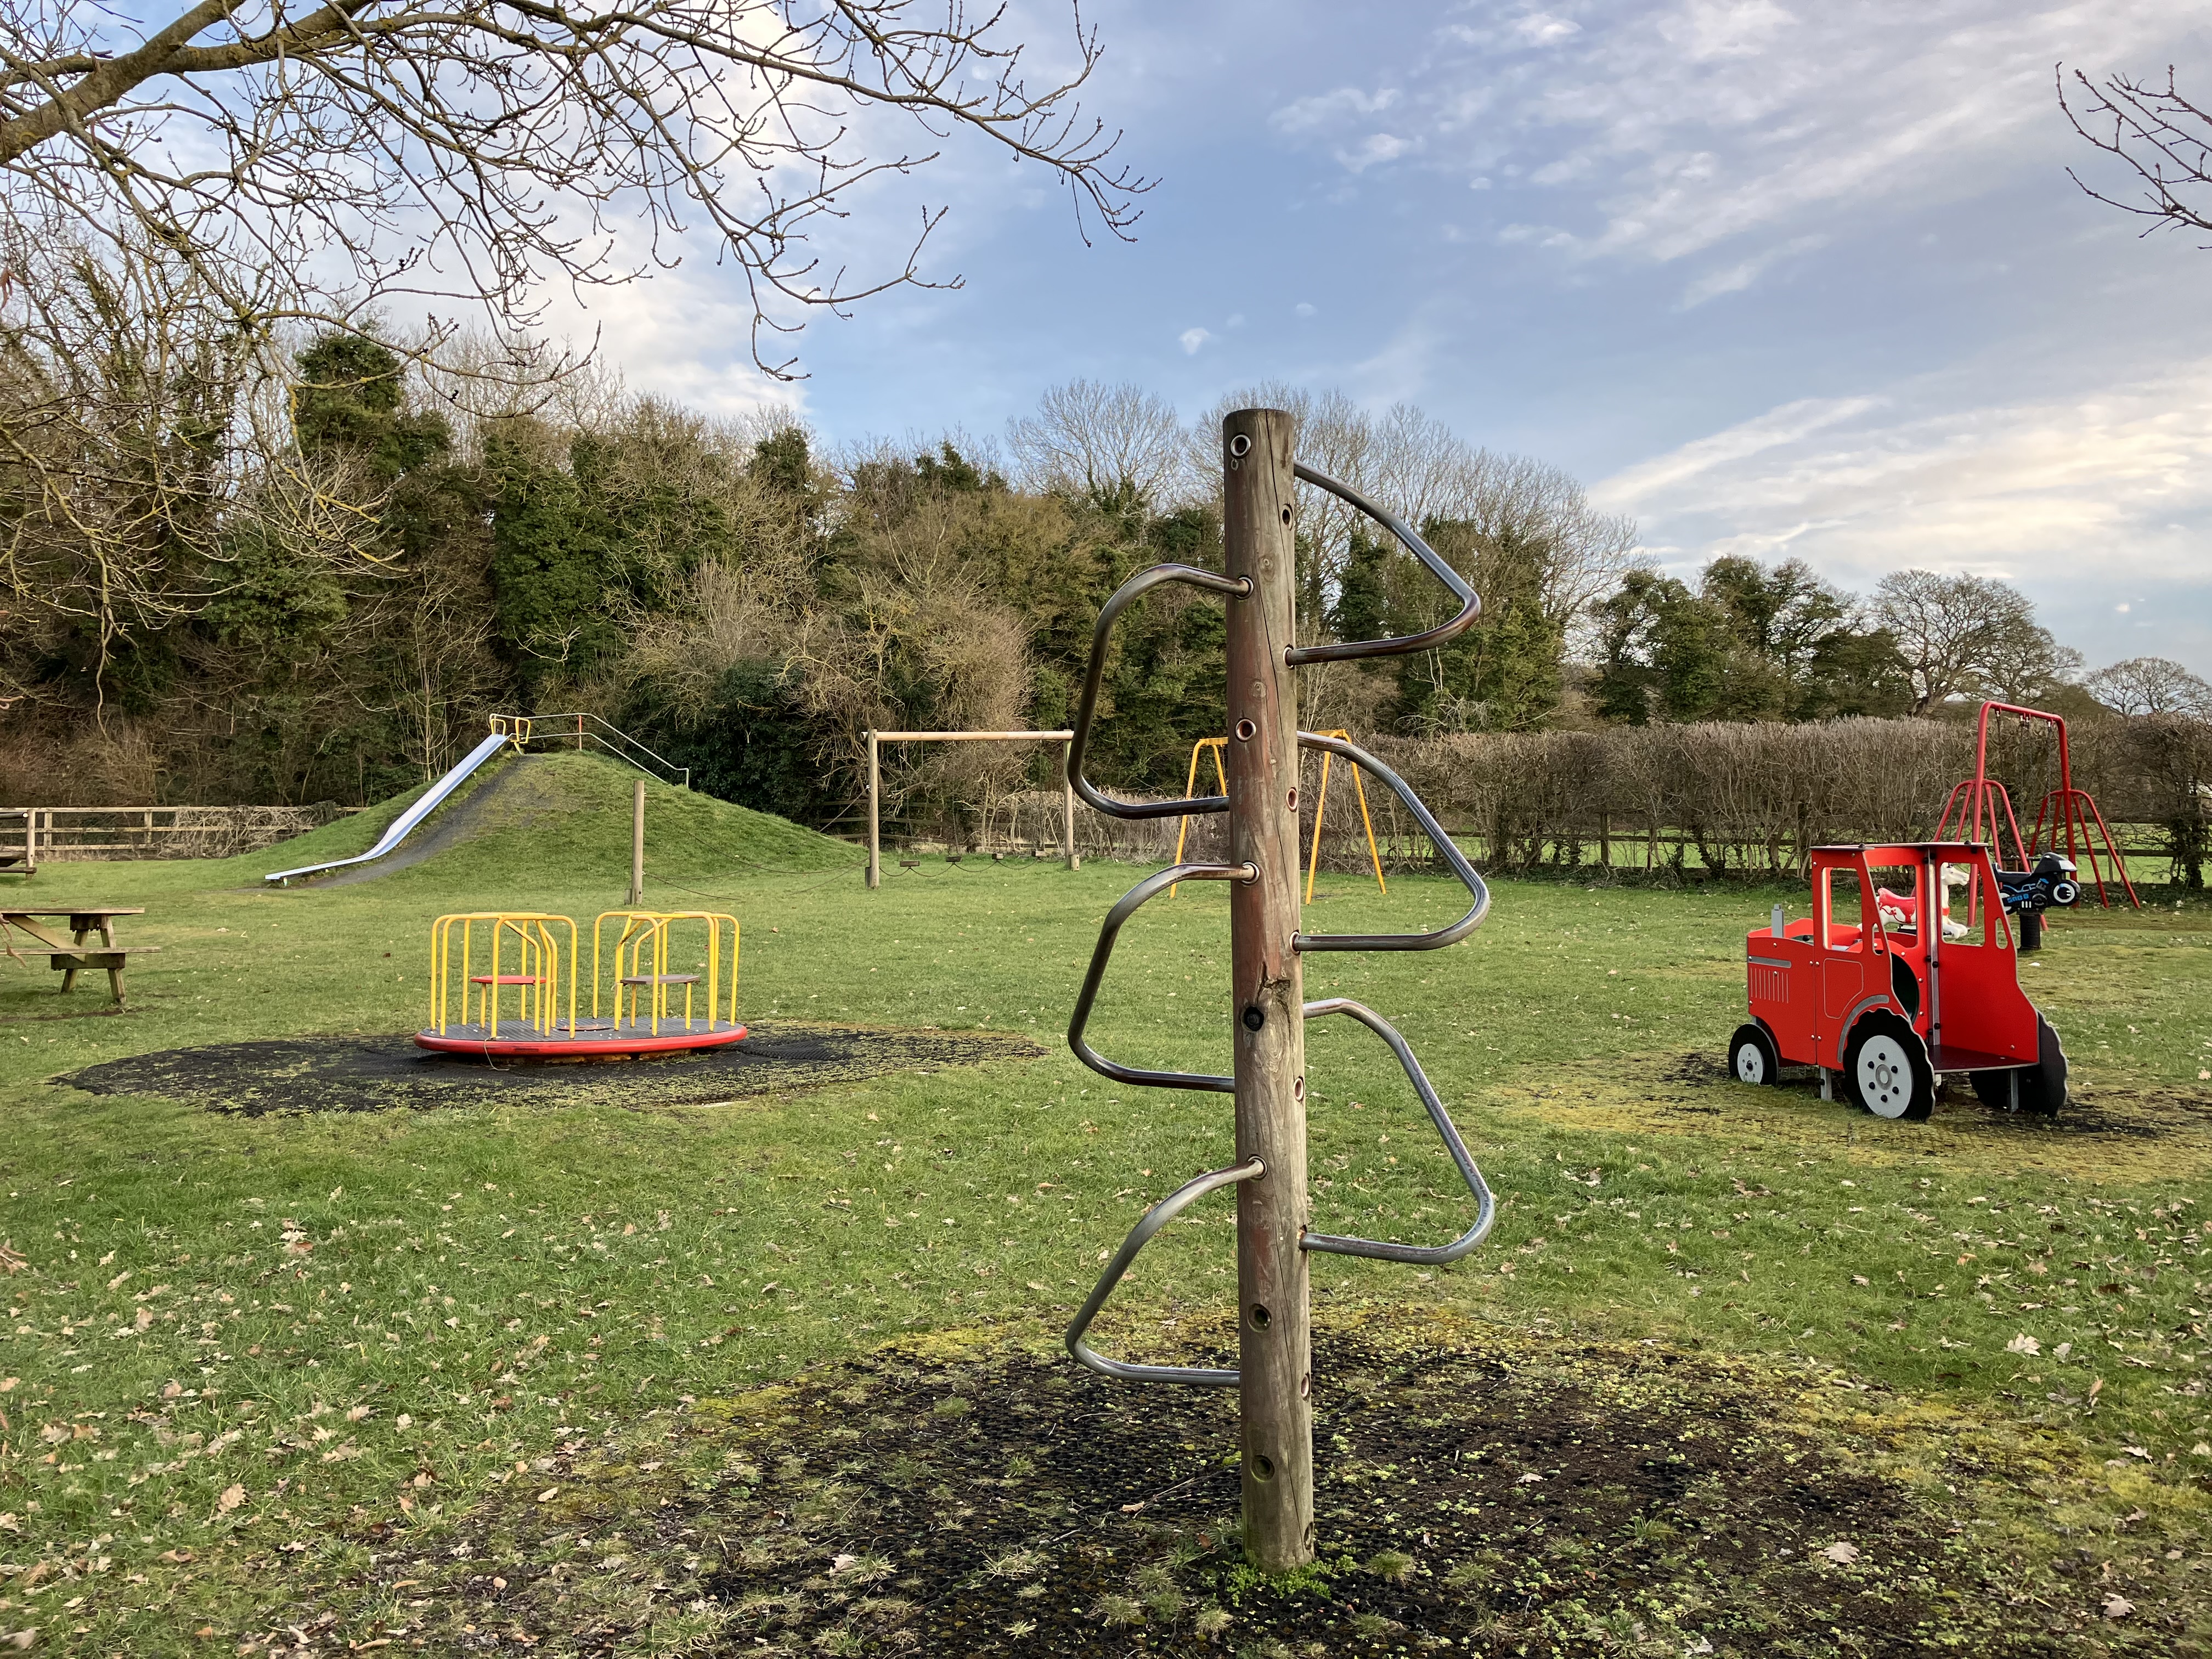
(1885, 1075)
(1750, 1064)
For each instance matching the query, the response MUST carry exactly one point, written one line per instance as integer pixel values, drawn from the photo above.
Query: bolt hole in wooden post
(1263, 1467)
(1253, 1019)
(1293, 803)
(1246, 731)
(1259, 1317)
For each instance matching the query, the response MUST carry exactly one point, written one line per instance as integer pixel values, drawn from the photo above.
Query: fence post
(1067, 809)
(1605, 839)
(1267, 994)
(636, 842)
(875, 827)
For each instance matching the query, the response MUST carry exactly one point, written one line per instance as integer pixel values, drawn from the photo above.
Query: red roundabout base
(590, 1040)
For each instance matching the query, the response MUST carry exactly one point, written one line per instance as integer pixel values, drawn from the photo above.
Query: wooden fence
(1613, 844)
(32, 835)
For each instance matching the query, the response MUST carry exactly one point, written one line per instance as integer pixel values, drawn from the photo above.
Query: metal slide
(432, 800)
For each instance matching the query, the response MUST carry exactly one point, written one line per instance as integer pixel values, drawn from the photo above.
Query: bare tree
(2163, 136)
(1106, 442)
(1963, 635)
(136, 423)
(463, 152)
(1411, 463)
(2150, 685)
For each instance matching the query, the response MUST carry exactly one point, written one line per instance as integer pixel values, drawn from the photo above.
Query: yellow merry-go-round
(505, 984)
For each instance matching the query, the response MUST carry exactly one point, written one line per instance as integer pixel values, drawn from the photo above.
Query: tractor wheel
(2042, 1085)
(1886, 1069)
(1751, 1058)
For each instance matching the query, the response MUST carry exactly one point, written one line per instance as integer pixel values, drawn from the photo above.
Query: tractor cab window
(1837, 909)
(1897, 901)
(1970, 915)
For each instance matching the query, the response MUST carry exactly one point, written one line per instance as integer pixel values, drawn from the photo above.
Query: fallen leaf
(1841, 1553)
(548, 1494)
(233, 1496)
(2117, 1605)
(2024, 1344)
(1527, 1478)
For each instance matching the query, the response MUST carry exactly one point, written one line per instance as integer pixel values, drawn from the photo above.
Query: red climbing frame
(2064, 808)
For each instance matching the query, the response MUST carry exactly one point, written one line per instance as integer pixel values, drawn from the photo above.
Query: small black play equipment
(1920, 978)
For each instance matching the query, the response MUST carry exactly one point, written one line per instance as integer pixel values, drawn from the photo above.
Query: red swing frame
(2074, 810)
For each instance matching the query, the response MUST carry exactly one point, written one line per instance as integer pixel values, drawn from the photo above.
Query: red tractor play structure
(1905, 970)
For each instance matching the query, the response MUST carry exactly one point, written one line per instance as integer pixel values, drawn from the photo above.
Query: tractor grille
(1769, 980)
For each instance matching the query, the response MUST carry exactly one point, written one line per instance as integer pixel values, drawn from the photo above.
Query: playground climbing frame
(1260, 793)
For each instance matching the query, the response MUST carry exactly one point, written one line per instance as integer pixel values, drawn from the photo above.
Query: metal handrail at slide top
(580, 731)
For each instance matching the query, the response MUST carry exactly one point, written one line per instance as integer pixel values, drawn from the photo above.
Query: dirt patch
(380, 1073)
(1476, 1491)
(1690, 1092)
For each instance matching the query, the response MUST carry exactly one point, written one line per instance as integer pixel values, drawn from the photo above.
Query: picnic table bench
(72, 956)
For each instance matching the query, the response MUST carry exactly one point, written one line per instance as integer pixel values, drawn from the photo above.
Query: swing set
(2065, 809)
(1214, 746)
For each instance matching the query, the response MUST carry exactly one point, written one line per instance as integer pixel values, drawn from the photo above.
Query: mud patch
(382, 1073)
(1694, 1093)
(1476, 1491)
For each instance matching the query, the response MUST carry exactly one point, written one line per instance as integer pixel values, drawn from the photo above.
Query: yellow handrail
(641, 929)
(537, 979)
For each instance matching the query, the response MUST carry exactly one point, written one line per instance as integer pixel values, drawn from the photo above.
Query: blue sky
(1773, 279)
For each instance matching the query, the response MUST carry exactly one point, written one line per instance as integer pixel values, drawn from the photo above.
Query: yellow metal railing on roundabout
(482, 975)
(637, 968)
(1321, 803)
(476, 957)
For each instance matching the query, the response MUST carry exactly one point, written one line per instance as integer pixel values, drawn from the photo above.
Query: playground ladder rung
(505, 979)
(661, 979)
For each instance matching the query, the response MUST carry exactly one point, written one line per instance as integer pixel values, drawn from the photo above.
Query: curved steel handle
(1486, 1211)
(1444, 845)
(1154, 1218)
(1124, 596)
(1125, 908)
(1470, 605)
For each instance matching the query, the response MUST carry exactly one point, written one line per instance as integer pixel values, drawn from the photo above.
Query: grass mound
(531, 812)
(1476, 1488)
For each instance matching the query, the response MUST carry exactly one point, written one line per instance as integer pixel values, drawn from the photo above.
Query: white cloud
(1374, 150)
(1302, 309)
(1541, 28)
(1328, 109)
(1191, 339)
(1667, 129)
(2045, 490)
(1735, 278)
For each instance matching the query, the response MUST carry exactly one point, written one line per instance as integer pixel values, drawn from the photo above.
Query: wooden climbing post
(1274, 1346)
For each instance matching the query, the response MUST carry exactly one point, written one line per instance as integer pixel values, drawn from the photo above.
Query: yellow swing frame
(1321, 806)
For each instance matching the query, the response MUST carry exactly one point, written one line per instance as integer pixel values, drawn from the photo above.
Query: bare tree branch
(2164, 137)
(465, 153)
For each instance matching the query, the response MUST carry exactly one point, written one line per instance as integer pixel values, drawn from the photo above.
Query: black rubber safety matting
(381, 1073)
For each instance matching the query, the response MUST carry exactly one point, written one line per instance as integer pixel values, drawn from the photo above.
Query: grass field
(326, 1381)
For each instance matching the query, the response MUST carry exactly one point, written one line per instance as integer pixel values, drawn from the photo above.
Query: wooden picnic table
(70, 956)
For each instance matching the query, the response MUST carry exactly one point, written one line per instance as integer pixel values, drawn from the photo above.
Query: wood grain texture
(1275, 1349)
